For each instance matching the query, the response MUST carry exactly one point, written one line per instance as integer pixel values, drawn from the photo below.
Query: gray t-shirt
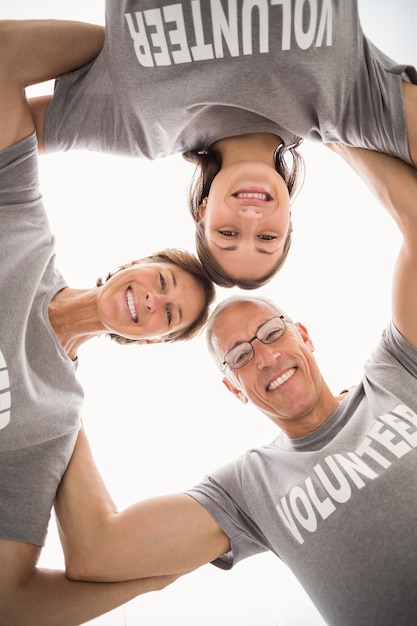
(338, 506)
(179, 76)
(40, 397)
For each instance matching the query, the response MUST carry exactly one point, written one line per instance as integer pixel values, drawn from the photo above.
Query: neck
(258, 147)
(307, 423)
(73, 316)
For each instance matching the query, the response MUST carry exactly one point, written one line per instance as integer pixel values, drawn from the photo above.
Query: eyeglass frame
(250, 341)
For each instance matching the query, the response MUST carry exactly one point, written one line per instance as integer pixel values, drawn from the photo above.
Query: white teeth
(278, 381)
(253, 194)
(131, 305)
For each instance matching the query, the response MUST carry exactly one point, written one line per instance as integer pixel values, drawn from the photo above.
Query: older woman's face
(149, 301)
(247, 219)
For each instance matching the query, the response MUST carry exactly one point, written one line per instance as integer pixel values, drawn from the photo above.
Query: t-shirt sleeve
(401, 349)
(215, 494)
(86, 114)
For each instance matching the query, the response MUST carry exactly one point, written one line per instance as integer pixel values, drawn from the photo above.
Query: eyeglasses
(243, 352)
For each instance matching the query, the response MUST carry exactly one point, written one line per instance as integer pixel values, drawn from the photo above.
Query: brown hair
(208, 165)
(188, 262)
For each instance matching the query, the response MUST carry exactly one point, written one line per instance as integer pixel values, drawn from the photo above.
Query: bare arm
(30, 596)
(166, 535)
(395, 185)
(34, 51)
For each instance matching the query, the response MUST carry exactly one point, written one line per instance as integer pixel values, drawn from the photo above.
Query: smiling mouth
(253, 195)
(131, 305)
(281, 379)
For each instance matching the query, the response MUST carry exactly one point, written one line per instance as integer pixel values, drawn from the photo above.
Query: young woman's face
(247, 219)
(149, 300)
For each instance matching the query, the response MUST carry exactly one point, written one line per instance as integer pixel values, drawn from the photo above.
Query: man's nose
(266, 355)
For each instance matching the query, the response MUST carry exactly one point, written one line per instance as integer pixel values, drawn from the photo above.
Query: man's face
(282, 379)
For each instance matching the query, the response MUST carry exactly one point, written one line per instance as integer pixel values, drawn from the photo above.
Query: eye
(238, 358)
(162, 281)
(267, 237)
(228, 233)
(169, 316)
(239, 355)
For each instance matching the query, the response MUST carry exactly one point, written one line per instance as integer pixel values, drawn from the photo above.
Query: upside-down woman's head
(242, 215)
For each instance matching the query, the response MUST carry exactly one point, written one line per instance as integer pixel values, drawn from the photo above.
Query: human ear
(235, 391)
(305, 336)
(201, 210)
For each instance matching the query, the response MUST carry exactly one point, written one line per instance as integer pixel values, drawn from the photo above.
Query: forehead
(240, 322)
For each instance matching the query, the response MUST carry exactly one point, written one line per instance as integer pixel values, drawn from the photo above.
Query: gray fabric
(338, 506)
(29, 479)
(174, 77)
(40, 398)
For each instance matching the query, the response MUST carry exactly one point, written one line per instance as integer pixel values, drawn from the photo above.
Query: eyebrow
(237, 343)
(174, 283)
(233, 248)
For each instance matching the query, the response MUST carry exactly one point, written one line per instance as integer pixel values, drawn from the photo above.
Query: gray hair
(229, 303)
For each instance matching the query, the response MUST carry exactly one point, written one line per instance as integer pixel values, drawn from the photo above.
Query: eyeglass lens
(268, 332)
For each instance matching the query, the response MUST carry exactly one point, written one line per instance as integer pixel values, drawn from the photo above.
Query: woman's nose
(152, 301)
(250, 213)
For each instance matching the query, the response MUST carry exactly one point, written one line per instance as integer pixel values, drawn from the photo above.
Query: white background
(158, 417)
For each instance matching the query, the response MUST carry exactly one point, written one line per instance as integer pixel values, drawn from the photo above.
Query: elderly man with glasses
(334, 495)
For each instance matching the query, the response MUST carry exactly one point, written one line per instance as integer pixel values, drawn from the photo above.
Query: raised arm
(34, 51)
(166, 535)
(395, 185)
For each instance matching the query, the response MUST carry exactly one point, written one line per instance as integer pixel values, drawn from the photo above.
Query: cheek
(251, 390)
(280, 222)
(216, 214)
(102, 302)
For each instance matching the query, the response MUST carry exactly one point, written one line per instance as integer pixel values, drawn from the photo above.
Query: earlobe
(235, 391)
